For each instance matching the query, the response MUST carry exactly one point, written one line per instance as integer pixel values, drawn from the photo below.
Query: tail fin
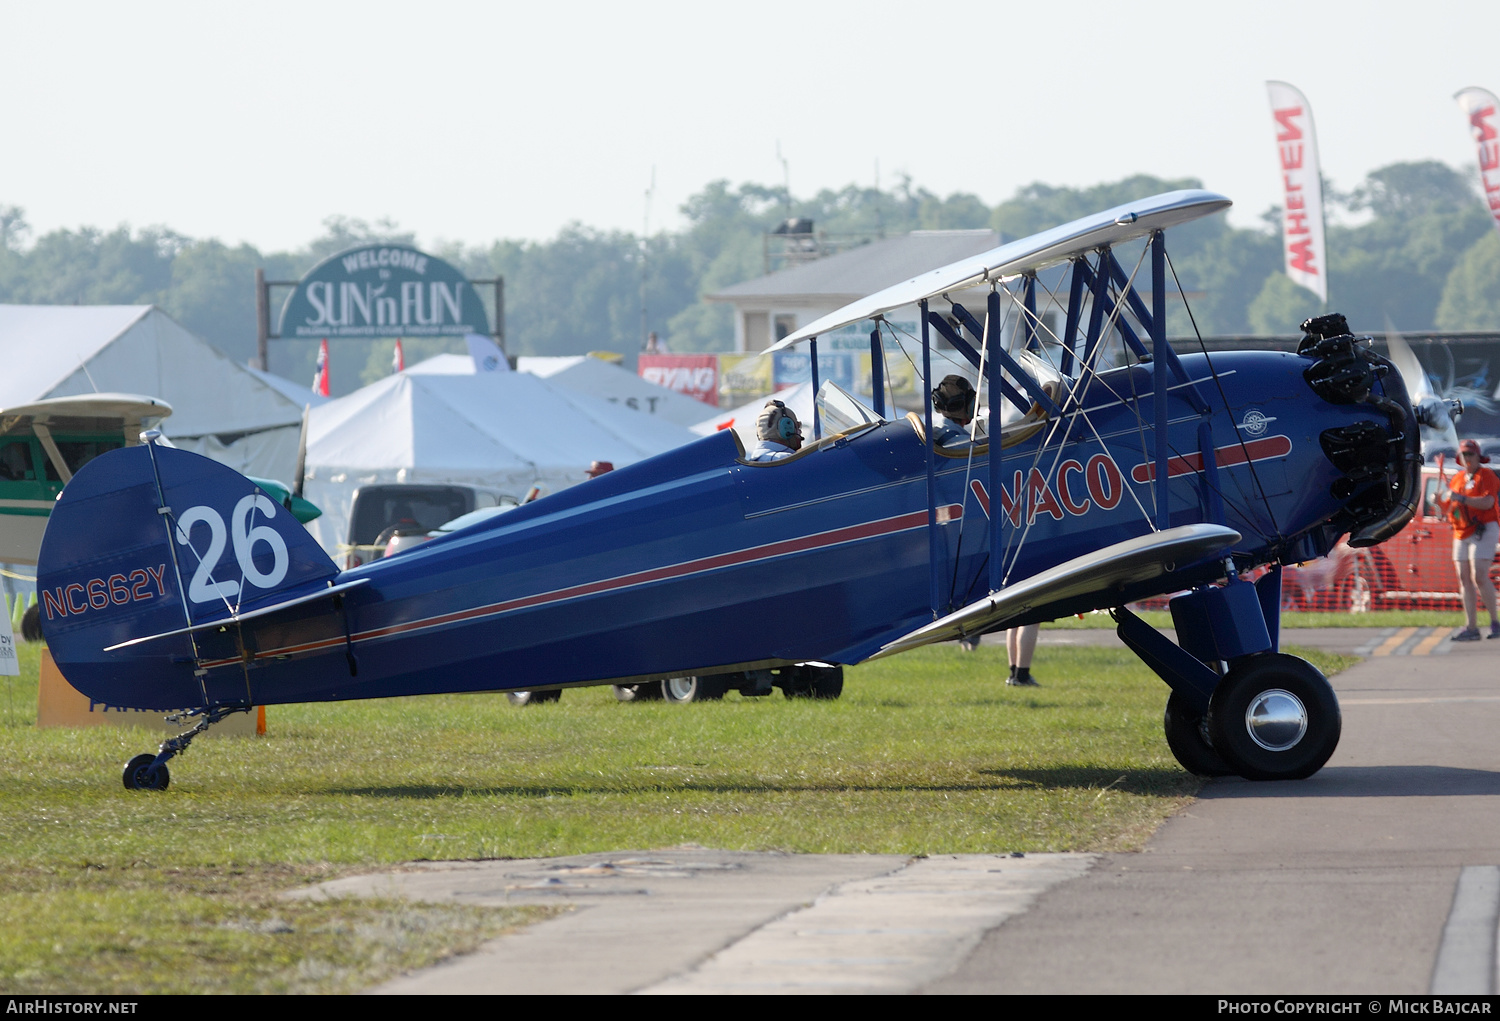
(151, 539)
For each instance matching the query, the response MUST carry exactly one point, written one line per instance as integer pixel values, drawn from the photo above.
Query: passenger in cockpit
(955, 399)
(779, 432)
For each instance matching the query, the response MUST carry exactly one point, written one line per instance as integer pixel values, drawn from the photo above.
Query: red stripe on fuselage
(785, 547)
(1224, 457)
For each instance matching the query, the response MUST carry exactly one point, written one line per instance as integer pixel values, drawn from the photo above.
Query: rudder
(151, 539)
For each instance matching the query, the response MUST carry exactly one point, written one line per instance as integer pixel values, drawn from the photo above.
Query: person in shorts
(1471, 507)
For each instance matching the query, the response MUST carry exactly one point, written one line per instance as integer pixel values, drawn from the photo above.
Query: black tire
(31, 623)
(140, 776)
(533, 697)
(827, 681)
(637, 692)
(1188, 739)
(1274, 717)
(808, 681)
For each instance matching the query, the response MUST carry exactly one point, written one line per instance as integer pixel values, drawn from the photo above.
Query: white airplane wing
(1111, 227)
(1134, 560)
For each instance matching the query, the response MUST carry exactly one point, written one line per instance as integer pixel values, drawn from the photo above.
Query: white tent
(218, 408)
(618, 385)
(504, 430)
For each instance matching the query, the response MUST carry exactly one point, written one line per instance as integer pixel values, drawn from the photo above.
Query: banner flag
(1302, 210)
(1481, 106)
(696, 376)
(398, 358)
(486, 354)
(320, 375)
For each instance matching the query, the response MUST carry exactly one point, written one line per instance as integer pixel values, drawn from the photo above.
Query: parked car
(406, 538)
(382, 511)
(1412, 569)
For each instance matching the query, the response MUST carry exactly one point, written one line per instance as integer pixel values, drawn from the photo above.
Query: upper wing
(1111, 227)
(1134, 560)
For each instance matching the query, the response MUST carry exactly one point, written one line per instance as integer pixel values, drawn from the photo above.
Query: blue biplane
(1114, 470)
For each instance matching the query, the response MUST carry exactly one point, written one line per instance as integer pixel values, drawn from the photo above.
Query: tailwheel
(140, 775)
(1274, 717)
(1187, 736)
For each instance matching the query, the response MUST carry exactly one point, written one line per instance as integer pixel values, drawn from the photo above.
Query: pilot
(779, 432)
(598, 468)
(955, 399)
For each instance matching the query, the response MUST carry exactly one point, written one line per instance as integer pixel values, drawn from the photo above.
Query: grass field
(107, 890)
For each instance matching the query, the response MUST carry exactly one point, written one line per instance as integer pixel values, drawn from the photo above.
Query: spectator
(1470, 504)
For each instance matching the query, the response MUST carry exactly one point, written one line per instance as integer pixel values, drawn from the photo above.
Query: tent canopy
(501, 430)
(218, 408)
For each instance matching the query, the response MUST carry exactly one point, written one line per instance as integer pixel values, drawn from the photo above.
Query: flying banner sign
(383, 291)
(1481, 106)
(697, 376)
(1302, 216)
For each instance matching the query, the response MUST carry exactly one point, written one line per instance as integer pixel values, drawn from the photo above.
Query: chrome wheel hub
(681, 688)
(1276, 720)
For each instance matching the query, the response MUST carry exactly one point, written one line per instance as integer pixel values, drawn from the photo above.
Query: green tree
(1281, 306)
(1471, 295)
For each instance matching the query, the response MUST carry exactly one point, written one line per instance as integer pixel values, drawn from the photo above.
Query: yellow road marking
(1432, 641)
(1392, 643)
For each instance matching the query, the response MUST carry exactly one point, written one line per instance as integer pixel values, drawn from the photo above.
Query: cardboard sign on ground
(59, 704)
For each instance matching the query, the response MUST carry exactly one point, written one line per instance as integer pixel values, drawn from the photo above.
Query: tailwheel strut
(148, 772)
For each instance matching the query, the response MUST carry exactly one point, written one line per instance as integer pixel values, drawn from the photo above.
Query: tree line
(1411, 245)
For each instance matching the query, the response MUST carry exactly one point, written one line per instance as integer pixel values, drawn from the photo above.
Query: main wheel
(140, 776)
(681, 690)
(1274, 717)
(1187, 736)
(533, 697)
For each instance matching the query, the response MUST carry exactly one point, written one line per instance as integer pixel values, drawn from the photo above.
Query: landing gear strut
(1269, 716)
(147, 772)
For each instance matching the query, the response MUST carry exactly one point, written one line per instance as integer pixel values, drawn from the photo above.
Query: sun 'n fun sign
(383, 291)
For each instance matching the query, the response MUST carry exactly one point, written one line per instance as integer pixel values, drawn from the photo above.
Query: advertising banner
(1302, 208)
(1480, 106)
(697, 376)
(383, 291)
(743, 377)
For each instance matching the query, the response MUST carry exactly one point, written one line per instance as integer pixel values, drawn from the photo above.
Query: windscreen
(841, 411)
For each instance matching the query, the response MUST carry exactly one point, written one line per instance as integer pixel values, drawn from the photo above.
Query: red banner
(697, 376)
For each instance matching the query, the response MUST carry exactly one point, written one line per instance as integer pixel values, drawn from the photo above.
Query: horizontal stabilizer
(1028, 255)
(240, 618)
(1125, 563)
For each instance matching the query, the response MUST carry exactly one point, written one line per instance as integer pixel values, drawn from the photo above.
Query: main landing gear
(1238, 706)
(147, 772)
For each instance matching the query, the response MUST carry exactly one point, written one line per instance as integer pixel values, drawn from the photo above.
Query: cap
(1472, 447)
(599, 468)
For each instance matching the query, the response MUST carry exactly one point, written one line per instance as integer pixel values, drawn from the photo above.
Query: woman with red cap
(1471, 507)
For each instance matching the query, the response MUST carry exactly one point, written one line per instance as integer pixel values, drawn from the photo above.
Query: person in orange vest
(1471, 508)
